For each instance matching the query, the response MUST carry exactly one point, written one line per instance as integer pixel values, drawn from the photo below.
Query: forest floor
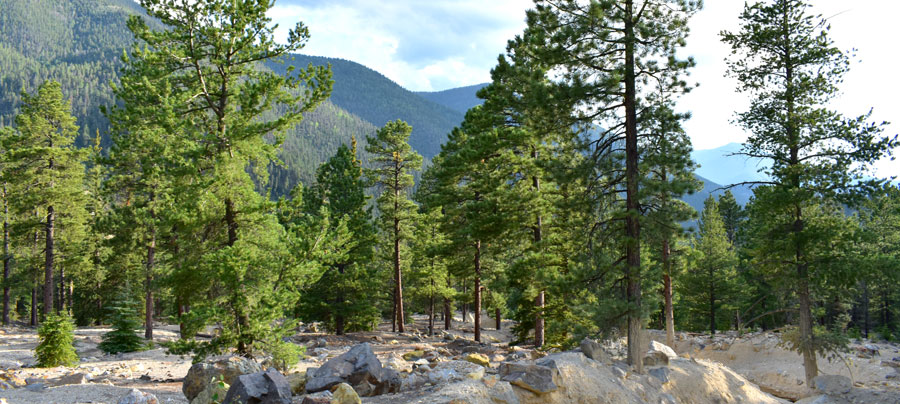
(100, 378)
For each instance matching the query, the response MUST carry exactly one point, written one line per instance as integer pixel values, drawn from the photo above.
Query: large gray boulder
(200, 374)
(359, 368)
(269, 387)
(659, 354)
(832, 384)
(592, 349)
(535, 378)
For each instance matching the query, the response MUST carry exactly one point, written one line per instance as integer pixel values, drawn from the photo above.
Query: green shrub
(55, 342)
(284, 354)
(122, 338)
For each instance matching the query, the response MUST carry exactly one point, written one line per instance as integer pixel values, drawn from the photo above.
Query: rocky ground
(440, 369)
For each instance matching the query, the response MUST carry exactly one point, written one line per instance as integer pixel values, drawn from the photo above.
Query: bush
(55, 342)
(122, 338)
(284, 354)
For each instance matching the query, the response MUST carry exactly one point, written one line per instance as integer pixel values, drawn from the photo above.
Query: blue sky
(427, 45)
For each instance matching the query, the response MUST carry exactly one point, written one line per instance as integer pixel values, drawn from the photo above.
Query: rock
(594, 350)
(74, 378)
(344, 394)
(619, 372)
(297, 381)
(269, 387)
(532, 377)
(10, 364)
(323, 397)
(832, 384)
(666, 398)
(36, 387)
(413, 356)
(658, 355)
(823, 399)
(660, 373)
(321, 343)
(476, 375)
(358, 367)
(478, 359)
(136, 396)
(230, 368)
(214, 392)
(9, 380)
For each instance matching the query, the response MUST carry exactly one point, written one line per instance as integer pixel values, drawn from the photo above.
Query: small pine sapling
(55, 347)
(122, 338)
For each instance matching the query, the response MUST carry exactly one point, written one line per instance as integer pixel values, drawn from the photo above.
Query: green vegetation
(224, 189)
(55, 342)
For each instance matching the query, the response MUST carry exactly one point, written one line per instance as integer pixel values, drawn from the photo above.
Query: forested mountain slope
(457, 99)
(376, 99)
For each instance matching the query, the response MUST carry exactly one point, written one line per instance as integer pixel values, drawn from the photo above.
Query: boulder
(74, 378)
(214, 392)
(594, 350)
(9, 380)
(136, 396)
(478, 359)
(358, 367)
(661, 373)
(344, 394)
(297, 381)
(269, 387)
(413, 356)
(658, 355)
(532, 377)
(832, 384)
(229, 368)
(323, 397)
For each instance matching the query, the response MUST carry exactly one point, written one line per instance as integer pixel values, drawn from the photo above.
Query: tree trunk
(62, 289)
(397, 273)
(478, 291)
(806, 327)
(431, 311)
(632, 224)
(667, 295)
(498, 318)
(148, 286)
(6, 258)
(48, 262)
(539, 320)
(866, 309)
(464, 305)
(339, 317)
(448, 316)
(34, 305)
(712, 303)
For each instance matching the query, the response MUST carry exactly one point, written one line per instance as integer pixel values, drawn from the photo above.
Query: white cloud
(440, 44)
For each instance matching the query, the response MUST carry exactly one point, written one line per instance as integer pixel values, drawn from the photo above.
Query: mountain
(721, 166)
(375, 98)
(458, 99)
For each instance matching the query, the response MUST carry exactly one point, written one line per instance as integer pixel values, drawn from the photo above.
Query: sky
(432, 45)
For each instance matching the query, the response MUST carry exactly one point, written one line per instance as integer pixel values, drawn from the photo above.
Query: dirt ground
(110, 377)
(107, 378)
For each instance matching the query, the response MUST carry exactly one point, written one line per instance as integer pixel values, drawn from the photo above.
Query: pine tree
(342, 296)
(48, 173)
(5, 133)
(785, 60)
(206, 61)
(394, 162)
(124, 322)
(610, 55)
(55, 342)
(710, 279)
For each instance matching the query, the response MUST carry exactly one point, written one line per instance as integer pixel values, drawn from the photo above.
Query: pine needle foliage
(55, 337)
(124, 321)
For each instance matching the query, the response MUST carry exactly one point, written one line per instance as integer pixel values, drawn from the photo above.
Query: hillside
(375, 98)
(458, 99)
(722, 167)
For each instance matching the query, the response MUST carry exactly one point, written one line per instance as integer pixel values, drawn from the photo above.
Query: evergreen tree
(616, 58)
(732, 217)
(48, 173)
(710, 280)
(394, 161)
(55, 342)
(342, 296)
(122, 337)
(206, 61)
(5, 133)
(785, 60)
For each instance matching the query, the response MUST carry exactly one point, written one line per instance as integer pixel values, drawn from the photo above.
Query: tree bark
(712, 303)
(632, 224)
(448, 316)
(48, 262)
(62, 289)
(498, 318)
(478, 291)
(667, 295)
(34, 304)
(6, 258)
(148, 286)
(398, 274)
(431, 311)
(538, 237)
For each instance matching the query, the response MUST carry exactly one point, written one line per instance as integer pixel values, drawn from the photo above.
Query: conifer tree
(710, 279)
(394, 162)
(207, 62)
(5, 133)
(785, 60)
(617, 60)
(342, 296)
(49, 173)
